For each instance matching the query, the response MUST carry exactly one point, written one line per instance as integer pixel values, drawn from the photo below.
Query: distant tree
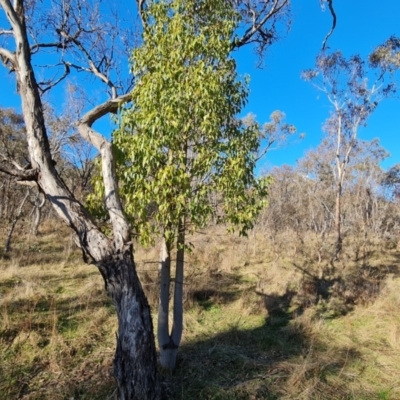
(302, 201)
(14, 153)
(353, 99)
(391, 180)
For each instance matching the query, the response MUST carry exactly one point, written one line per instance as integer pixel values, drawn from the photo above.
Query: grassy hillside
(264, 319)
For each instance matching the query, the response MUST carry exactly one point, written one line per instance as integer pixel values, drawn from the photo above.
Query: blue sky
(361, 26)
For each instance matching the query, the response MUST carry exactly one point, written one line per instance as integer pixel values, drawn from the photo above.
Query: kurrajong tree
(181, 142)
(81, 38)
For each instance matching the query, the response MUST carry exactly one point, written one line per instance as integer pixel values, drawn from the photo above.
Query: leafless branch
(8, 58)
(110, 106)
(331, 9)
(55, 45)
(6, 32)
(51, 83)
(112, 199)
(140, 5)
(93, 68)
(11, 161)
(259, 19)
(22, 175)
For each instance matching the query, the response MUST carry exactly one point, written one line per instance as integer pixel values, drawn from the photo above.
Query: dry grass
(263, 320)
(58, 327)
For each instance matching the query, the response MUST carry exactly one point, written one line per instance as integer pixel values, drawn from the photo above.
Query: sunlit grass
(252, 329)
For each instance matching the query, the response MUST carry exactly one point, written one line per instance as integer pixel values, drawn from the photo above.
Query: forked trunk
(169, 343)
(168, 349)
(37, 213)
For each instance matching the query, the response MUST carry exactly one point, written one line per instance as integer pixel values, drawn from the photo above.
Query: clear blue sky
(361, 26)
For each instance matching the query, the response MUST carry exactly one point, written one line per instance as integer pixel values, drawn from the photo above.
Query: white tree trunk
(169, 343)
(135, 363)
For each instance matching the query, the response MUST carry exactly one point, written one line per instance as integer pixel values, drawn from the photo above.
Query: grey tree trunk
(169, 343)
(37, 213)
(17, 216)
(135, 359)
(135, 363)
(165, 343)
(6, 198)
(338, 226)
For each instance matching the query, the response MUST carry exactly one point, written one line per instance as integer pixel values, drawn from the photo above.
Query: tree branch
(331, 9)
(93, 68)
(50, 83)
(257, 26)
(6, 32)
(22, 175)
(110, 106)
(56, 45)
(140, 5)
(8, 59)
(113, 202)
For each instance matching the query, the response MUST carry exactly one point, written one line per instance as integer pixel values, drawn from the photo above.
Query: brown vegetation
(260, 322)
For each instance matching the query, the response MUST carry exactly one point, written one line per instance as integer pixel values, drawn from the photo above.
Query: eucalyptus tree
(83, 39)
(353, 97)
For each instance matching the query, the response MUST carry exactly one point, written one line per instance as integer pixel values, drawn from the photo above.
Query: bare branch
(112, 199)
(50, 83)
(259, 20)
(11, 161)
(6, 32)
(331, 9)
(8, 59)
(110, 106)
(93, 67)
(140, 6)
(56, 45)
(12, 12)
(22, 175)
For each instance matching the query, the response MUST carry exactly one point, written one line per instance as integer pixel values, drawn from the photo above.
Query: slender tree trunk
(37, 213)
(7, 194)
(169, 343)
(7, 245)
(177, 326)
(3, 198)
(338, 211)
(167, 347)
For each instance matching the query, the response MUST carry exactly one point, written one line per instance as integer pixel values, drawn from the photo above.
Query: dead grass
(263, 320)
(58, 327)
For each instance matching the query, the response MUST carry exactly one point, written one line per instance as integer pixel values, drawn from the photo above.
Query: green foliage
(94, 201)
(180, 143)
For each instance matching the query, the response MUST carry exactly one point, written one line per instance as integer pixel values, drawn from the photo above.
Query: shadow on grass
(282, 358)
(279, 358)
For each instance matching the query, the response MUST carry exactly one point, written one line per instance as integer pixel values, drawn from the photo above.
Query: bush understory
(265, 318)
